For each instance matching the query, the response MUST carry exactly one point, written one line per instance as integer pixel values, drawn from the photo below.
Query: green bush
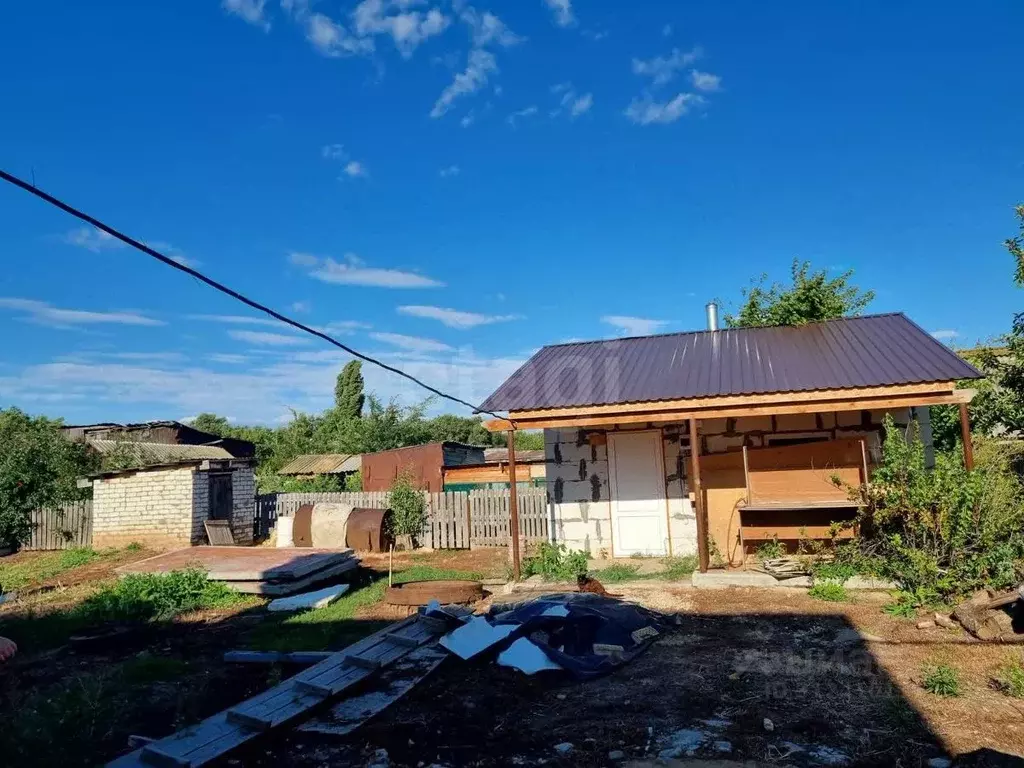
(947, 531)
(554, 562)
(408, 509)
(829, 591)
(905, 605)
(941, 680)
(679, 567)
(617, 572)
(770, 550)
(1010, 678)
(155, 597)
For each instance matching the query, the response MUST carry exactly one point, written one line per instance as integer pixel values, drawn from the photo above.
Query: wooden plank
(703, 554)
(754, 532)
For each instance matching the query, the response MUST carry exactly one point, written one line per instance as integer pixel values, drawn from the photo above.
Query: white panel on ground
(638, 493)
(475, 636)
(317, 599)
(526, 657)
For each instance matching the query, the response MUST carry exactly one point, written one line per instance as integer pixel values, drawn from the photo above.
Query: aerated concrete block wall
(153, 508)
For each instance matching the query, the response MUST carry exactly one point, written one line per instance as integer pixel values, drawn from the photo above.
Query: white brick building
(165, 505)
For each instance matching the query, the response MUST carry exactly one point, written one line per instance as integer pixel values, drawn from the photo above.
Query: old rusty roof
(868, 351)
(143, 454)
(322, 464)
(500, 456)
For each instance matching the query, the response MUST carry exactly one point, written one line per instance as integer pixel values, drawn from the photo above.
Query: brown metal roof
(322, 464)
(869, 351)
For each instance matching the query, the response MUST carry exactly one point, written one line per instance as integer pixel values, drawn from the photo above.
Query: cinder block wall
(151, 507)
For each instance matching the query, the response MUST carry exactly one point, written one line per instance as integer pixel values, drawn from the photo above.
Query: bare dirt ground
(770, 676)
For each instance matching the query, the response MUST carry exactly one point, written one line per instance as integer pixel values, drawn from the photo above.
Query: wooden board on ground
(218, 533)
(393, 683)
(225, 731)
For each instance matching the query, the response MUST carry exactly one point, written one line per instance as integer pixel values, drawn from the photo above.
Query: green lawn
(336, 625)
(29, 572)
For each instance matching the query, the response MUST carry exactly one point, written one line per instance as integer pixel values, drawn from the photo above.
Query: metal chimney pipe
(712, 309)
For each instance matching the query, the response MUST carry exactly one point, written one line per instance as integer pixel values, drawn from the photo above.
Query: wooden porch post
(698, 499)
(965, 434)
(513, 504)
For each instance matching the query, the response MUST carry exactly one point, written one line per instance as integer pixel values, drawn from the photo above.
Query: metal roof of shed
(322, 464)
(867, 351)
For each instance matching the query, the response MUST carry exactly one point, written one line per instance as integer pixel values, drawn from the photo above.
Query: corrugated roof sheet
(159, 453)
(500, 455)
(868, 351)
(322, 464)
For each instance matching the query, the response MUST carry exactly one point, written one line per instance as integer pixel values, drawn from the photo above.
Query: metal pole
(698, 499)
(513, 504)
(965, 434)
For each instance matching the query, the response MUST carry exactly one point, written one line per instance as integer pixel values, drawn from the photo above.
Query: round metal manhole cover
(422, 592)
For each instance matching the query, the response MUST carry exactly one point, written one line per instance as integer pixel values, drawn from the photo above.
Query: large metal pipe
(712, 309)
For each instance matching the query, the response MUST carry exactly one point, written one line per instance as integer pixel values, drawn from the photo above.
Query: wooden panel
(754, 534)
(801, 485)
(65, 527)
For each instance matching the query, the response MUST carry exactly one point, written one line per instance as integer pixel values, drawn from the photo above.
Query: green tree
(212, 423)
(812, 296)
(348, 391)
(1015, 245)
(38, 468)
(408, 508)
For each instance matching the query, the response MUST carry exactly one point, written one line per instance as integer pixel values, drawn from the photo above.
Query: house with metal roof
(712, 442)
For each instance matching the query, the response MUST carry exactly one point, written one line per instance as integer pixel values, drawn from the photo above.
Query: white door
(638, 493)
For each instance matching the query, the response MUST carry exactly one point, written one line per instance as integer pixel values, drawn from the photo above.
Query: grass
(36, 570)
(675, 568)
(940, 680)
(771, 550)
(679, 567)
(829, 591)
(1010, 678)
(135, 599)
(335, 625)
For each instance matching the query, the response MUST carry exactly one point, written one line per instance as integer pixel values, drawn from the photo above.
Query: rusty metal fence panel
(65, 527)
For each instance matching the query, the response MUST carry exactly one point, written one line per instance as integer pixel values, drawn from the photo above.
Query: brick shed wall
(149, 507)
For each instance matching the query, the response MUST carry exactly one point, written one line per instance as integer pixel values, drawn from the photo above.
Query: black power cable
(32, 189)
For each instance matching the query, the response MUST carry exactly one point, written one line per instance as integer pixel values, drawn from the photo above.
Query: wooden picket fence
(455, 519)
(65, 527)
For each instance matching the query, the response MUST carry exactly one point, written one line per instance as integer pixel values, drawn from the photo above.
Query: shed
(425, 464)
(673, 444)
(494, 471)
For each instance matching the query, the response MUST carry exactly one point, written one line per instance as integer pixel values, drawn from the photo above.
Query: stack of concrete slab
(256, 570)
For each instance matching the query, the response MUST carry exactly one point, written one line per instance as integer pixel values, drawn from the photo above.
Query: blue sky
(452, 185)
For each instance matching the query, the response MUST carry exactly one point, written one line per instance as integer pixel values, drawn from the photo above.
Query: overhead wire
(152, 252)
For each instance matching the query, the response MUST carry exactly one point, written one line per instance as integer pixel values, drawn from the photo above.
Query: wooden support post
(965, 434)
(698, 499)
(513, 504)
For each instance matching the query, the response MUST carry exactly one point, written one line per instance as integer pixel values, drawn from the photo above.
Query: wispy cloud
(666, 31)
(355, 170)
(237, 320)
(634, 326)
(224, 357)
(407, 28)
(172, 253)
(518, 115)
(411, 343)
(353, 271)
(302, 307)
(91, 239)
(157, 357)
(486, 28)
(581, 105)
(454, 318)
(662, 69)
(562, 10)
(448, 171)
(705, 81)
(46, 314)
(332, 39)
(946, 335)
(570, 101)
(480, 66)
(647, 111)
(251, 11)
(334, 152)
(345, 327)
(269, 339)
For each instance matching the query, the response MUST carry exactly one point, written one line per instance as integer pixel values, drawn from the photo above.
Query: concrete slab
(243, 563)
(309, 600)
(280, 588)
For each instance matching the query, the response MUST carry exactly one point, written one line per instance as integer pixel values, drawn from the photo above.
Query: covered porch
(718, 475)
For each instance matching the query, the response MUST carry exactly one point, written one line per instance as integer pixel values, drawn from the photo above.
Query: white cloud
(345, 327)
(634, 326)
(411, 343)
(451, 170)
(486, 28)
(581, 105)
(562, 9)
(251, 11)
(663, 69)
(479, 67)
(46, 314)
(529, 111)
(408, 29)
(352, 271)
(946, 335)
(333, 39)
(334, 152)
(269, 339)
(354, 169)
(238, 320)
(575, 103)
(454, 318)
(468, 119)
(92, 239)
(666, 31)
(705, 81)
(646, 110)
(224, 357)
(302, 307)
(158, 357)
